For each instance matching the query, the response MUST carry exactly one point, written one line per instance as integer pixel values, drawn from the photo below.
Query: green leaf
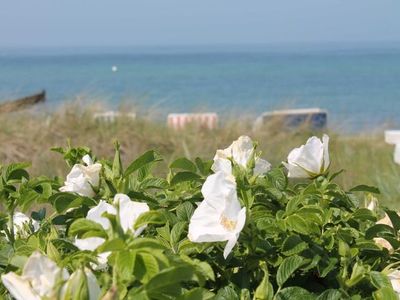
(146, 243)
(293, 245)
(16, 171)
(204, 166)
(365, 188)
(278, 178)
(150, 217)
(358, 273)
(301, 225)
(153, 183)
(146, 266)
(116, 244)
(364, 214)
(184, 211)
(147, 158)
(330, 294)
(125, 263)
(196, 294)
(167, 278)
(64, 201)
(395, 218)
(226, 293)
(385, 293)
(379, 280)
(176, 232)
(294, 293)
(378, 230)
(83, 226)
(39, 215)
(287, 268)
(184, 164)
(184, 177)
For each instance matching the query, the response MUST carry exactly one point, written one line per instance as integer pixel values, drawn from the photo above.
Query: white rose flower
(309, 160)
(39, 279)
(20, 221)
(129, 212)
(219, 216)
(92, 243)
(82, 179)
(239, 151)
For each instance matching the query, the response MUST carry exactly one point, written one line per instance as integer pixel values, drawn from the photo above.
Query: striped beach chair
(202, 120)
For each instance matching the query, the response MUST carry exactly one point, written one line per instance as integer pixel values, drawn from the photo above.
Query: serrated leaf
(147, 158)
(166, 278)
(330, 294)
(294, 293)
(184, 211)
(299, 224)
(184, 164)
(82, 226)
(394, 218)
(62, 203)
(184, 177)
(125, 263)
(364, 214)
(197, 294)
(293, 245)
(153, 183)
(365, 188)
(176, 232)
(278, 178)
(379, 280)
(146, 266)
(288, 266)
(378, 230)
(226, 293)
(146, 243)
(150, 217)
(116, 244)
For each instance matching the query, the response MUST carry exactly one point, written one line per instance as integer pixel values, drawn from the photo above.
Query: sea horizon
(350, 80)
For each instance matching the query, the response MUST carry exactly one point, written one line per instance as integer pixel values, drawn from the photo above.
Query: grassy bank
(29, 136)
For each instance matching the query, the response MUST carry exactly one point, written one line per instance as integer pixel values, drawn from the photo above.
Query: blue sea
(359, 86)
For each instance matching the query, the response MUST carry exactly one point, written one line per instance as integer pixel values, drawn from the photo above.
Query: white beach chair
(392, 137)
(203, 120)
(110, 116)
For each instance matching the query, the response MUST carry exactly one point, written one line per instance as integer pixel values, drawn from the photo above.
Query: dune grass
(28, 136)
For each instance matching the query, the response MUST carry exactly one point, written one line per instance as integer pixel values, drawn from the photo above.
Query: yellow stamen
(227, 223)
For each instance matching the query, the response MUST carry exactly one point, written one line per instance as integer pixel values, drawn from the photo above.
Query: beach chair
(110, 116)
(314, 118)
(202, 120)
(392, 137)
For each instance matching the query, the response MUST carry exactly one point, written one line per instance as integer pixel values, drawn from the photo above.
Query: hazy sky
(187, 22)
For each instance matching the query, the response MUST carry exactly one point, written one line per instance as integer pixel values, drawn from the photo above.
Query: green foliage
(302, 239)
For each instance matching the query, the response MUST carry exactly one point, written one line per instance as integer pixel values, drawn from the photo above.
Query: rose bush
(231, 228)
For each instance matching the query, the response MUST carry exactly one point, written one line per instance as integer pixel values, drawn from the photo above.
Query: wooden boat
(15, 105)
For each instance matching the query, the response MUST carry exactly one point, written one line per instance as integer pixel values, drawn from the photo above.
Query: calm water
(360, 86)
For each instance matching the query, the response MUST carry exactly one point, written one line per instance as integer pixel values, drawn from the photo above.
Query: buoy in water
(114, 68)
